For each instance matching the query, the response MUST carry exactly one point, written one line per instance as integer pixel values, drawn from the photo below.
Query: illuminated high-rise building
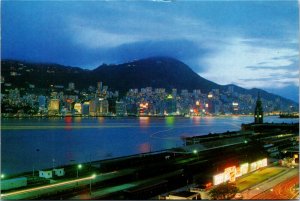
(235, 107)
(53, 107)
(92, 107)
(143, 108)
(71, 86)
(99, 87)
(78, 108)
(102, 106)
(42, 102)
(120, 108)
(85, 108)
(170, 104)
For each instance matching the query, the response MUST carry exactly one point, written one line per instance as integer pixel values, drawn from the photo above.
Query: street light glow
(2, 176)
(195, 151)
(79, 166)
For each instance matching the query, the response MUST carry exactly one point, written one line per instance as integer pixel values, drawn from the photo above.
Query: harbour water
(46, 143)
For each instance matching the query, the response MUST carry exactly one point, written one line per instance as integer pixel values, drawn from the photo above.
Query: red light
(208, 185)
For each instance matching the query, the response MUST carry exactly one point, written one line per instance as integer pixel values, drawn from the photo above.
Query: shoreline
(125, 116)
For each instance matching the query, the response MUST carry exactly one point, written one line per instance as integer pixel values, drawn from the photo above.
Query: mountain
(155, 72)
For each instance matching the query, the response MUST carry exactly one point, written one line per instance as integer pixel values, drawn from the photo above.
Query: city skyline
(251, 44)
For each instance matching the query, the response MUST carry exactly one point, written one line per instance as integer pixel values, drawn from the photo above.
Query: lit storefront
(233, 172)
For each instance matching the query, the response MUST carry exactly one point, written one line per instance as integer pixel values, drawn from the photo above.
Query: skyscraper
(258, 113)
(170, 104)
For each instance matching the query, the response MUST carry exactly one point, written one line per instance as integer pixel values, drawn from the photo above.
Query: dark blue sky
(251, 44)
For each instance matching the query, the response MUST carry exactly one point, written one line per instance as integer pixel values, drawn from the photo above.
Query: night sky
(250, 44)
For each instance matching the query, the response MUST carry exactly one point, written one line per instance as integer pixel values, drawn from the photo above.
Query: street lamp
(2, 176)
(92, 177)
(196, 152)
(78, 168)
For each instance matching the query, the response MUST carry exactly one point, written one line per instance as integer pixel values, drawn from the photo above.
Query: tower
(258, 113)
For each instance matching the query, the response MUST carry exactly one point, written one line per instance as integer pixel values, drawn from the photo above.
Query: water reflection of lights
(170, 121)
(100, 119)
(145, 147)
(144, 121)
(196, 120)
(68, 121)
(77, 119)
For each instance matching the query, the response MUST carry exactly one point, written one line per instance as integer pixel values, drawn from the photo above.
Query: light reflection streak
(144, 122)
(46, 187)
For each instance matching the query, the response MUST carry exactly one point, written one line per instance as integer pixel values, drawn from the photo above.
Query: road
(75, 184)
(267, 185)
(282, 191)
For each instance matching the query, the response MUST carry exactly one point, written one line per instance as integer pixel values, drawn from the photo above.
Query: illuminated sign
(238, 172)
(253, 166)
(229, 174)
(144, 105)
(235, 104)
(218, 179)
(210, 96)
(244, 168)
(258, 164)
(233, 172)
(206, 104)
(264, 162)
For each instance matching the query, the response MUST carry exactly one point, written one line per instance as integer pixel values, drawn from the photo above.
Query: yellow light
(169, 96)
(218, 179)
(244, 168)
(197, 103)
(296, 156)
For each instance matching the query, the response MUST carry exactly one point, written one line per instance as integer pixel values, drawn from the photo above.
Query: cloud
(250, 64)
(139, 25)
(97, 38)
(226, 42)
